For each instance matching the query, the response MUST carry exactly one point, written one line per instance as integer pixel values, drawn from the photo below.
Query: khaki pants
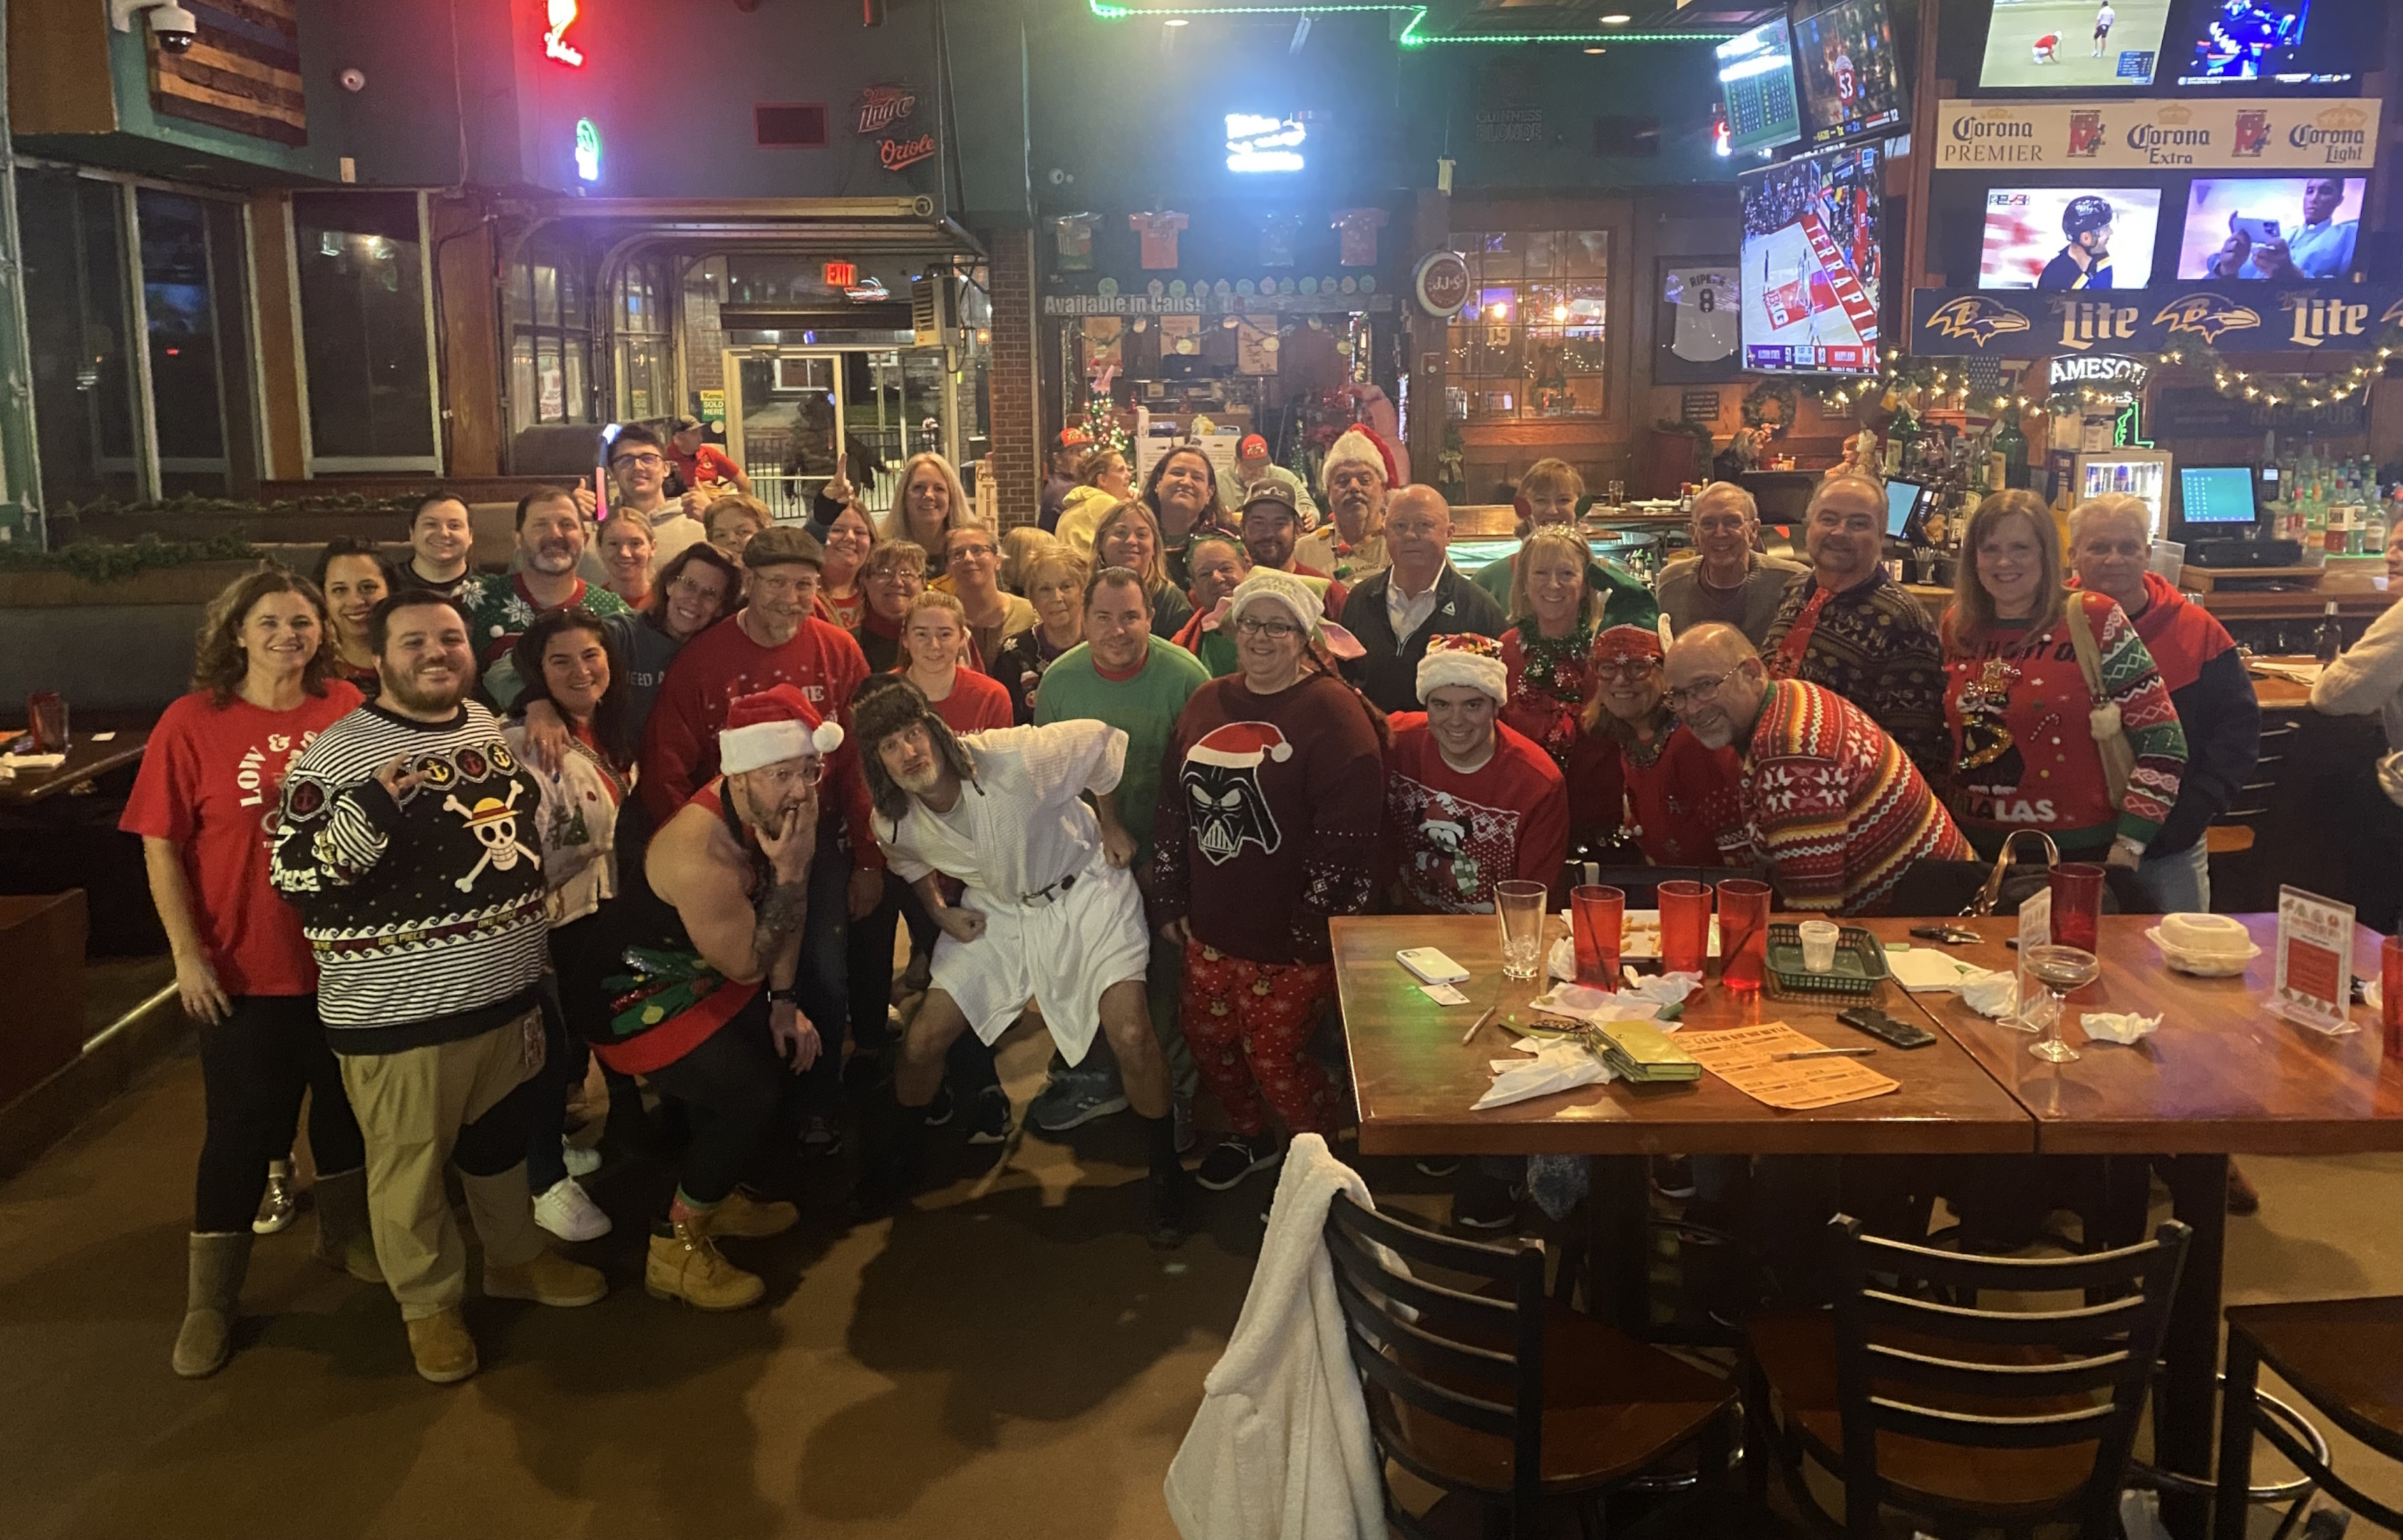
(419, 1110)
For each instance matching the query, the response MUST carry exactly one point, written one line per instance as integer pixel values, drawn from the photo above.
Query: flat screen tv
(1757, 83)
(1813, 263)
(2284, 42)
(2283, 228)
(2084, 45)
(1852, 84)
(2069, 238)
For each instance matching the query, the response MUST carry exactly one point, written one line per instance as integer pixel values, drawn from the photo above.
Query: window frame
(315, 463)
(579, 392)
(1469, 335)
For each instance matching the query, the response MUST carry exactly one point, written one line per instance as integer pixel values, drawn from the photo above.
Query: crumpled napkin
(2114, 1027)
(2371, 995)
(1556, 1066)
(1643, 1002)
(1994, 993)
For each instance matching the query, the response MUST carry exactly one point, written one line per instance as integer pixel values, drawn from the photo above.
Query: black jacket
(2222, 718)
(1388, 674)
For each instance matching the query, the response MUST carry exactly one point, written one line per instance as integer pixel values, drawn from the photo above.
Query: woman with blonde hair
(928, 505)
(1104, 480)
(1128, 537)
(1554, 615)
(733, 520)
(1549, 494)
(264, 685)
(1019, 548)
(2059, 718)
(1055, 586)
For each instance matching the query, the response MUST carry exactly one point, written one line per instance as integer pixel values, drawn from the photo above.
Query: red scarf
(1788, 662)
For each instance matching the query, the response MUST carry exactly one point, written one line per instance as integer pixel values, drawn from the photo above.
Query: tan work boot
(214, 1289)
(686, 1265)
(547, 1279)
(746, 1218)
(344, 1240)
(444, 1352)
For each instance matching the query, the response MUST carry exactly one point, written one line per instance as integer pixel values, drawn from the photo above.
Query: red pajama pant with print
(1248, 1024)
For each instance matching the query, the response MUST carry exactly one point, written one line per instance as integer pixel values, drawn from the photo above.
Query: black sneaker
(821, 1136)
(1673, 1176)
(1485, 1203)
(1170, 1202)
(938, 1111)
(1235, 1159)
(991, 1124)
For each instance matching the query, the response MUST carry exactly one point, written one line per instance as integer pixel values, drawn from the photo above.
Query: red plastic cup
(1684, 926)
(1743, 933)
(2077, 904)
(2390, 992)
(1597, 919)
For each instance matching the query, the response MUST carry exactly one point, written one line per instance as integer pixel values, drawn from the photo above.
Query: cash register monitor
(1902, 499)
(2218, 498)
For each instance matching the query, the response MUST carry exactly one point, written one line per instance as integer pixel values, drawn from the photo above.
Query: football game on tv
(2084, 44)
(2069, 238)
(1813, 263)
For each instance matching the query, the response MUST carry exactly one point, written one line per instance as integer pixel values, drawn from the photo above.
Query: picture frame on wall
(1697, 321)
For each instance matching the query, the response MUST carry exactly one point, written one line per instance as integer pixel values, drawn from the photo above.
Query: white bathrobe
(1017, 830)
(1281, 1449)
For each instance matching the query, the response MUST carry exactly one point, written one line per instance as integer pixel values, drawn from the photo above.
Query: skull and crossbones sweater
(424, 911)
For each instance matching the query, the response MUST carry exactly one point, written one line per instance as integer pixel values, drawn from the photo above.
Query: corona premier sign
(2280, 133)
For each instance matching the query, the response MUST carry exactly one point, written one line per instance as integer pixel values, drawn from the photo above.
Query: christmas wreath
(1761, 396)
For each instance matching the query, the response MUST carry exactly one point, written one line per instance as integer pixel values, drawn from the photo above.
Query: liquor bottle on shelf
(2328, 641)
(2013, 447)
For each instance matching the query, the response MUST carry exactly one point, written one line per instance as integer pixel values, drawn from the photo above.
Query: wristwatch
(784, 997)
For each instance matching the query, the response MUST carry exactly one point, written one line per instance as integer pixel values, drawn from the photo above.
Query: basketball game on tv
(1813, 263)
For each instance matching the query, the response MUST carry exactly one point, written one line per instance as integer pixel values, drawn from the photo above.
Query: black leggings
(736, 1088)
(255, 1064)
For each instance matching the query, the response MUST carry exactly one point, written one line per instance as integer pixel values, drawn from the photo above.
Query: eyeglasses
(970, 551)
(646, 460)
(1626, 668)
(1275, 630)
(689, 587)
(812, 771)
(1680, 697)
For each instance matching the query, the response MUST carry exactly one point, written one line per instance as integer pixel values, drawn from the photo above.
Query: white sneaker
(567, 1213)
(578, 1161)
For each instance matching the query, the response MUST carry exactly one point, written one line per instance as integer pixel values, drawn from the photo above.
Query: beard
(920, 780)
(427, 698)
(554, 557)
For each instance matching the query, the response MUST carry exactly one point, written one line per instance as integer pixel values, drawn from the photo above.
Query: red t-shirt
(1448, 838)
(212, 780)
(977, 702)
(704, 464)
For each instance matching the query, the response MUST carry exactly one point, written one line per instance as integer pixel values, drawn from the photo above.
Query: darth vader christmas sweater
(1268, 815)
(424, 910)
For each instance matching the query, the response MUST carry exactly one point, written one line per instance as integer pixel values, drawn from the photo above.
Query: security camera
(176, 28)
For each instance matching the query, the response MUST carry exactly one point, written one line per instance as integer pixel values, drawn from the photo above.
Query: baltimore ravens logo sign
(1222, 784)
(2207, 315)
(1976, 317)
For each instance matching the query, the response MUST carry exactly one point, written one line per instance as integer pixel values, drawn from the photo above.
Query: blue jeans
(2179, 882)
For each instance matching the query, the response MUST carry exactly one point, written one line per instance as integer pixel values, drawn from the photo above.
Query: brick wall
(1016, 402)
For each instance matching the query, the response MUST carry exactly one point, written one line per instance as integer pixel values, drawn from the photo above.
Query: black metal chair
(2345, 1358)
(1954, 1413)
(1479, 1384)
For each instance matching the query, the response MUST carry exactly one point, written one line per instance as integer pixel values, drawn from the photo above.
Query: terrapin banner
(2254, 133)
(2304, 318)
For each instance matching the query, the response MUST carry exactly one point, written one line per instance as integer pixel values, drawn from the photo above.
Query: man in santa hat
(1254, 470)
(1469, 801)
(1357, 475)
(716, 1010)
(1051, 911)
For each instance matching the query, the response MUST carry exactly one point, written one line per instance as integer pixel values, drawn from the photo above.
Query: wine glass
(2061, 970)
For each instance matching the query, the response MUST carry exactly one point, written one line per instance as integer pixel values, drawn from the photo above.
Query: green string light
(1411, 37)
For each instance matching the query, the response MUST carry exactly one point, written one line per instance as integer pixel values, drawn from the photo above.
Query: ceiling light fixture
(1617, 18)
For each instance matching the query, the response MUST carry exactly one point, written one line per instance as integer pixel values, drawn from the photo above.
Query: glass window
(79, 331)
(361, 257)
(550, 338)
(1531, 343)
(179, 306)
(645, 351)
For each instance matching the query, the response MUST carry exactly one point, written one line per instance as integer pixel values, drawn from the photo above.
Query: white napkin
(2371, 995)
(1580, 1003)
(1556, 1066)
(2114, 1027)
(33, 761)
(1926, 968)
(1995, 994)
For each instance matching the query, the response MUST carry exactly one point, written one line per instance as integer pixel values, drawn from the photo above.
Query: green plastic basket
(1860, 966)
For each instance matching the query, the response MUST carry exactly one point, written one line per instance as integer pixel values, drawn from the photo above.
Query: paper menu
(2315, 955)
(1740, 1056)
(1924, 968)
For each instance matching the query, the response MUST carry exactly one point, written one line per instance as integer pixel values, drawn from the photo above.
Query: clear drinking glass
(2062, 971)
(1519, 908)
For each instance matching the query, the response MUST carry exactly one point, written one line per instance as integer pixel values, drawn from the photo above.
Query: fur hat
(1359, 444)
(1463, 659)
(777, 724)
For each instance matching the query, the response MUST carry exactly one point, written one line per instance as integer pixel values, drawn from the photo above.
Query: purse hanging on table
(2103, 721)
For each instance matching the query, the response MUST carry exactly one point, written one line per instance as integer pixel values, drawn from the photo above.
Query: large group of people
(427, 842)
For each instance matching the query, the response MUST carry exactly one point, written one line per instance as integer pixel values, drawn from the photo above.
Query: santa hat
(1463, 659)
(1621, 643)
(1306, 603)
(1241, 745)
(1362, 445)
(777, 724)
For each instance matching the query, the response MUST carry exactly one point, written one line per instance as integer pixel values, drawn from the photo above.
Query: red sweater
(1258, 850)
(1686, 800)
(1448, 838)
(680, 742)
(977, 702)
(1550, 711)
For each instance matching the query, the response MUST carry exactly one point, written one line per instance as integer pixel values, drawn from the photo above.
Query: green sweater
(1145, 708)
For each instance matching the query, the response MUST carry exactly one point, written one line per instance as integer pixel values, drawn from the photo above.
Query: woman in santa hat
(1273, 788)
(1684, 805)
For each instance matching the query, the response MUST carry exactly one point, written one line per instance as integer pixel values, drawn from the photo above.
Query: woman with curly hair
(204, 804)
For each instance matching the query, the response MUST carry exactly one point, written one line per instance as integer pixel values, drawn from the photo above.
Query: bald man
(1830, 801)
(1418, 596)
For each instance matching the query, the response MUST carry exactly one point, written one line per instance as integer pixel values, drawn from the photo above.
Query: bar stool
(2344, 1356)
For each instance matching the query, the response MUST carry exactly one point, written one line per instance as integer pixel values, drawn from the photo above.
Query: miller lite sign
(2332, 316)
(879, 107)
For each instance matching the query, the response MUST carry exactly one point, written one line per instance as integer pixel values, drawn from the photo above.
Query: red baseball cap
(1253, 447)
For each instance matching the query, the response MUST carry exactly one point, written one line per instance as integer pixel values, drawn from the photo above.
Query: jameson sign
(2324, 319)
(2258, 133)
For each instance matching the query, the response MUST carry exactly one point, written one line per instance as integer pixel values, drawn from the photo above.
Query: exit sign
(842, 275)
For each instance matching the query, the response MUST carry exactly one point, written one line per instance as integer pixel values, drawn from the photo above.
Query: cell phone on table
(1431, 965)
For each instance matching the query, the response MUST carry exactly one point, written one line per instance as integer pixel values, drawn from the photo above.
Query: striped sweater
(425, 913)
(1833, 806)
(2024, 750)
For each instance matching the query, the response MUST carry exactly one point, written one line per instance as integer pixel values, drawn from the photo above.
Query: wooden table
(86, 761)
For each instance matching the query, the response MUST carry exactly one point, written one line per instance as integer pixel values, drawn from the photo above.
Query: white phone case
(1431, 965)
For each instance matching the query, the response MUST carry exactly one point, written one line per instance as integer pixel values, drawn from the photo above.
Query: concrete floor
(1008, 1360)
